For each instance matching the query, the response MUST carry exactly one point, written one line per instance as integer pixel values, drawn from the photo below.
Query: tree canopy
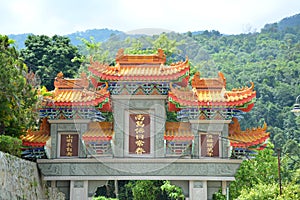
(46, 56)
(17, 96)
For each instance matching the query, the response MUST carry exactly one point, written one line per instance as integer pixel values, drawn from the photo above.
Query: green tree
(146, 190)
(10, 145)
(47, 56)
(173, 191)
(270, 191)
(151, 190)
(262, 169)
(90, 49)
(169, 46)
(17, 96)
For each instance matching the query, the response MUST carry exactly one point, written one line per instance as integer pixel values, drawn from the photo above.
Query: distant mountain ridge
(19, 39)
(101, 35)
(293, 21)
(286, 23)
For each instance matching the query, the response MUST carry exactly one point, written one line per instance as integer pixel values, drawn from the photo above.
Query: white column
(198, 190)
(79, 190)
(53, 185)
(224, 185)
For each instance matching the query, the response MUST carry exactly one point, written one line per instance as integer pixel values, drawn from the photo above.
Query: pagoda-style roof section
(64, 83)
(141, 68)
(98, 131)
(178, 131)
(37, 138)
(211, 94)
(159, 58)
(247, 138)
(208, 83)
(76, 92)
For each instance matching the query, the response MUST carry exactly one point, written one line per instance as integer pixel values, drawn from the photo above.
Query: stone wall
(19, 179)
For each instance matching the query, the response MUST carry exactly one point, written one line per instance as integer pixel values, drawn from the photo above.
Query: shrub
(10, 145)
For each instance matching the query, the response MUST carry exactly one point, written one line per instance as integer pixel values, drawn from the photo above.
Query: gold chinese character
(209, 144)
(209, 140)
(69, 154)
(139, 130)
(69, 144)
(69, 149)
(210, 151)
(69, 138)
(139, 124)
(139, 143)
(139, 117)
(139, 136)
(140, 150)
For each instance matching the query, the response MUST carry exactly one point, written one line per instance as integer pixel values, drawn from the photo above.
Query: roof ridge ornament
(120, 53)
(58, 79)
(249, 137)
(208, 83)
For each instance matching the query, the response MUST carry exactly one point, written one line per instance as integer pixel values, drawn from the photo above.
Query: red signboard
(69, 145)
(209, 145)
(139, 134)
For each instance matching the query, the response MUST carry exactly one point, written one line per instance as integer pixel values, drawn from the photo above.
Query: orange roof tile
(37, 138)
(140, 68)
(208, 83)
(212, 93)
(75, 92)
(158, 58)
(63, 83)
(98, 131)
(248, 138)
(178, 131)
(83, 97)
(143, 72)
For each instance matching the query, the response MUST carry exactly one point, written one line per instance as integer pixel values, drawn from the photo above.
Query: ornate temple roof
(37, 138)
(247, 138)
(76, 92)
(141, 68)
(98, 131)
(178, 131)
(211, 92)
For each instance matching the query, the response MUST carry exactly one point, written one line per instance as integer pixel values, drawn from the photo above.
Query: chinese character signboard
(69, 145)
(209, 145)
(139, 134)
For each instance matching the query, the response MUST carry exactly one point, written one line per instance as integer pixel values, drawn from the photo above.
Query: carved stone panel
(68, 127)
(139, 168)
(53, 141)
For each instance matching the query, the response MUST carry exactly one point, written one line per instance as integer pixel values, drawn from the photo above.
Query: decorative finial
(60, 75)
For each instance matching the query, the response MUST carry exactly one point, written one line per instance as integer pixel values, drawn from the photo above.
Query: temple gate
(195, 152)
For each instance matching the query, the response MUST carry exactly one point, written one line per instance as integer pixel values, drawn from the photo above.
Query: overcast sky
(67, 16)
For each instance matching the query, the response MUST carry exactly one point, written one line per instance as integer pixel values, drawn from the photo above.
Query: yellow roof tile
(247, 138)
(98, 131)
